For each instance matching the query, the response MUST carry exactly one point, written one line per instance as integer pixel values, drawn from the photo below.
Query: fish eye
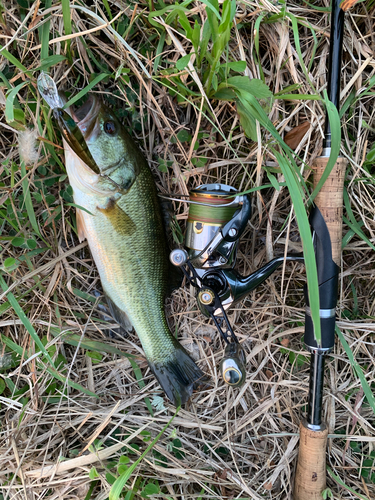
(109, 128)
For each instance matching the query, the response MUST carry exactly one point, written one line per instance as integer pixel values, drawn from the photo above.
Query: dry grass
(236, 443)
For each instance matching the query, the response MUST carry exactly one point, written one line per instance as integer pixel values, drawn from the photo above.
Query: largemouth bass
(125, 233)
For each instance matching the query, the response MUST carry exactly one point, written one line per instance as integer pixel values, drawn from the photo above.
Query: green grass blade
(341, 483)
(356, 228)
(307, 243)
(299, 97)
(29, 327)
(94, 345)
(298, 48)
(120, 482)
(25, 320)
(87, 89)
(44, 33)
(28, 200)
(52, 371)
(352, 223)
(9, 104)
(13, 60)
(65, 4)
(108, 9)
(365, 385)
(159, 50)
(334, 121)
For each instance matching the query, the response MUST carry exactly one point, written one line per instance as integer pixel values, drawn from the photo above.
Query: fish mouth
(85, 115)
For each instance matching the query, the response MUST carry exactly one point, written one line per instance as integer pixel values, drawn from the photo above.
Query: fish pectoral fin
(175, 277)
(177, 375)
(119, 315)
(80, 225)
(120, 220)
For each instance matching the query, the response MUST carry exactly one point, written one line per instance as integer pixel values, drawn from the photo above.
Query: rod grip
(310, 478)
(329, 200)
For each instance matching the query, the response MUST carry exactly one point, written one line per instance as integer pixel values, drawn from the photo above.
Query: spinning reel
(217, 218)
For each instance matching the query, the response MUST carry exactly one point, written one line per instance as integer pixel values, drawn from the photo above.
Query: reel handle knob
(233, 365)
(178, 257)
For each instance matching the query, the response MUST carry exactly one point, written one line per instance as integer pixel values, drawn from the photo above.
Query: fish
(120, 216)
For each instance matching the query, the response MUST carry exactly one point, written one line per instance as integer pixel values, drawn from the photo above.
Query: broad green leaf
(184, 136)
(225, 94)
(18, 241)
(183, 62)
(238, 66)
(151, 489)
(49, 61)
(2, 386)
(247, 121)
(9, 262)
(93, 474)
(31, 243)
(255, 86)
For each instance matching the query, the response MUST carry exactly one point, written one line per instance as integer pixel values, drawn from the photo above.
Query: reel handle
(233, 365)
(242, 285)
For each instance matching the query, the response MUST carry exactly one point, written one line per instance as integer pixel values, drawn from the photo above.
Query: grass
(208, 91)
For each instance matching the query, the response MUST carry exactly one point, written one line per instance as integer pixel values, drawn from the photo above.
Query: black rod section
(315, 401)
(334, 63)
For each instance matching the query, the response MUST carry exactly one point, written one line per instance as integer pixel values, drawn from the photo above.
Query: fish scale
(122, 222)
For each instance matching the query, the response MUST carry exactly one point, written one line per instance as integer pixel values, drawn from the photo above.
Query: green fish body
(125, 233)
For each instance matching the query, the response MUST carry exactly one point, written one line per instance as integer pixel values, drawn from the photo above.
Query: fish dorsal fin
(80, 225)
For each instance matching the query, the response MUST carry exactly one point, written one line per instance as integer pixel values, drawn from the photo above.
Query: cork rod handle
(310, 478)
(329, 200)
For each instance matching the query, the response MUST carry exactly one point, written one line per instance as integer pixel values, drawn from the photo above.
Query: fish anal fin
(119, 316)
(80, 225)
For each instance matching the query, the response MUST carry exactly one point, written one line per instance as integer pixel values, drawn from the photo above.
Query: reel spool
(212, 206)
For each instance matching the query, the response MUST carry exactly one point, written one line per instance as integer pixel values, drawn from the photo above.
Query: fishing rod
(326, 225)
(217, 218)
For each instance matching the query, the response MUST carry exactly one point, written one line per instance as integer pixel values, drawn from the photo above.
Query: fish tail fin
(177, 375)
